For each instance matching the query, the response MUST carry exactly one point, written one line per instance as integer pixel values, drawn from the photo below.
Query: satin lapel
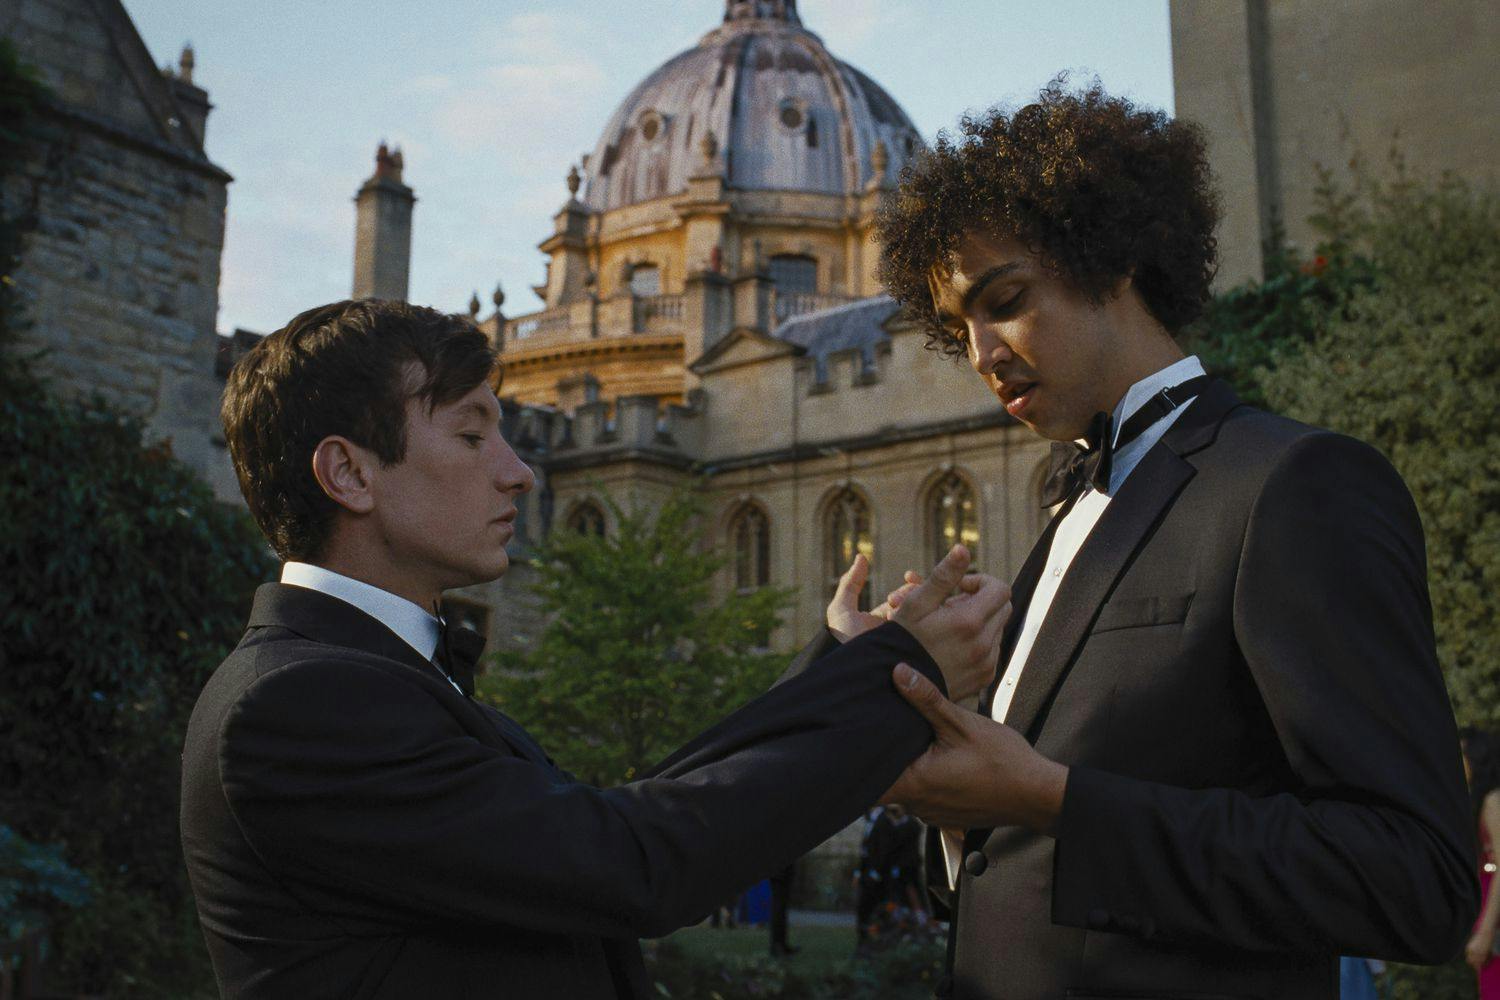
(1020, 596)
(1122, 527)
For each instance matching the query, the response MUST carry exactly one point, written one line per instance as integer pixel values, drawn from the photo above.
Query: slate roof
(854, 325)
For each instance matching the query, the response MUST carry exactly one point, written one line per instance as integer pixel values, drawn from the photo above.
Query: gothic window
(750, 537)
(952, 518)
(846, 531)
(645, 280)
(586, 519)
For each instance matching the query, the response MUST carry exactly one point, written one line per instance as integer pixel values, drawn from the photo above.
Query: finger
(898, 595)
(924, 696)
(912, 576)
(945, 576)
(846, 595)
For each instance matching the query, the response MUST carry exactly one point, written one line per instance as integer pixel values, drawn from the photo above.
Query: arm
(349, 780)
(1373, 853)
(1481, 946)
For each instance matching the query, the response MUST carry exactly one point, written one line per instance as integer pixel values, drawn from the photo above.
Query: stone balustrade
(789, 304)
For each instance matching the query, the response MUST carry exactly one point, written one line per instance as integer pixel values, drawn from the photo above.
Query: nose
(987, 349)
(511, 474)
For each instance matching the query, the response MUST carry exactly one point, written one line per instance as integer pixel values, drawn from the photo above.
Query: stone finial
(474, 305)
(709, 146)
(575, 180)
(498, 296)
(761, 10)
(880, 158)
(185, 64)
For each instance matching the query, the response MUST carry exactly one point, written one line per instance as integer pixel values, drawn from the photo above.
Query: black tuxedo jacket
(1239, 670)
(354, 827)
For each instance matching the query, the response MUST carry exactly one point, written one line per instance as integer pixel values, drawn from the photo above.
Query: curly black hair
(1096, 187)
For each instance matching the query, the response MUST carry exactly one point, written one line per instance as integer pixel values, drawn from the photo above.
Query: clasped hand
(958, 617)
(978, 772)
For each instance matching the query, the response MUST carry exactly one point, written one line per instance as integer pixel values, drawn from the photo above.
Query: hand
(844, 618)
(978, 772)
(1479, 950)
(959, 620)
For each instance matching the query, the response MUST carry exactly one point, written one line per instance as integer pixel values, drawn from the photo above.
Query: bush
(1411, 364)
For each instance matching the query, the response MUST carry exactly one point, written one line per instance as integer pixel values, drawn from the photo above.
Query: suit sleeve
(1373, 852)
(344, 779)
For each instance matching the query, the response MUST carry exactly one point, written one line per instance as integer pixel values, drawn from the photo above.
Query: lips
(1016, 396)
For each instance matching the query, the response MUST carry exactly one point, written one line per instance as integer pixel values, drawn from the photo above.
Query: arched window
(645, 280)
(586, 519)
(952, 518)
(750, 536)
(846, 531)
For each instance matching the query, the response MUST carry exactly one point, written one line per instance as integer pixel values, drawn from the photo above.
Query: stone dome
(784, 115)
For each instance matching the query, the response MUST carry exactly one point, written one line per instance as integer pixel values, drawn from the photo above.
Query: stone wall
(120, 265)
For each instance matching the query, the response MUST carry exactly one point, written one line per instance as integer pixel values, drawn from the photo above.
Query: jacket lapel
(323, 618)
(1126, 523)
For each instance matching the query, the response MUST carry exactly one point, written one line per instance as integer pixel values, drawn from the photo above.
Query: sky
(492, 100)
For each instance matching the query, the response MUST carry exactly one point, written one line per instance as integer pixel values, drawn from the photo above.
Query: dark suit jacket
(1239, 670)
(354, 827)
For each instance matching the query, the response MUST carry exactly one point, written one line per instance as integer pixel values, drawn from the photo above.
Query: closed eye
(473, 440)
(1007, 307)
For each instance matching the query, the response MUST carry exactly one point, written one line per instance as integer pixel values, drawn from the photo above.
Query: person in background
(1482, 768)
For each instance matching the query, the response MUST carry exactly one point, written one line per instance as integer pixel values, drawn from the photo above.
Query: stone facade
(120, 268)
(1283, 88)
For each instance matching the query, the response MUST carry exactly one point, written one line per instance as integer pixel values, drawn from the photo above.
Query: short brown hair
(1098, 188)
(345, 368)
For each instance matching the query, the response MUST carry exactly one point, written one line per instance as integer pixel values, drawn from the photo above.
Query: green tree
(1411, 364)
(637, 656)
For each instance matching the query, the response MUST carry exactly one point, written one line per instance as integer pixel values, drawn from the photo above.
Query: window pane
(645, 279)
(793, 273)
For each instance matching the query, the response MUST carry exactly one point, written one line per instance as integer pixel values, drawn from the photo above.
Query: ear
(340, 467)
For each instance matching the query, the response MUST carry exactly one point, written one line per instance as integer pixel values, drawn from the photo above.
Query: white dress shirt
(416, 626)
(1071, 533)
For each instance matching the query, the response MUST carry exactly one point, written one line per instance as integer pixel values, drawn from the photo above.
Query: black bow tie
(457, 653)
(1075, 466)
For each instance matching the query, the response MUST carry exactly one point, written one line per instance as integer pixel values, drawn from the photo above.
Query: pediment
(742, 346)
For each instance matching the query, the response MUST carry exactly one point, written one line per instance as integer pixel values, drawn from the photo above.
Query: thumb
(930, 594)
(846, 595)
(924, 696)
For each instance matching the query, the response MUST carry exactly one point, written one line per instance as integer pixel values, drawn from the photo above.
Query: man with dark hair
(1218, 751)
(355, 825)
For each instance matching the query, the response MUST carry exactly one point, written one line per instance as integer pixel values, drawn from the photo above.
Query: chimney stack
(382, 231)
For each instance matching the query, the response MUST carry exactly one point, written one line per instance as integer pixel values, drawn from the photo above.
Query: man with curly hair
(1218, 752)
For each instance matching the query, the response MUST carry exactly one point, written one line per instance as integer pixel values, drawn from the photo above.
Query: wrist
(1048, 787)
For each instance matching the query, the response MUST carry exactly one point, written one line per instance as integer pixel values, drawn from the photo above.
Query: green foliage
(1411, 364)
(1454, 981)
(126, 583)
(35, 883)
(637, 656)
(905, 971)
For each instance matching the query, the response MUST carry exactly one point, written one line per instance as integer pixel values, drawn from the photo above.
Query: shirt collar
(1137, 395)
(408, 620)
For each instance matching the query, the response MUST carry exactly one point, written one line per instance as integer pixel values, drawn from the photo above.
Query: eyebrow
(980, 284)
(478, 409)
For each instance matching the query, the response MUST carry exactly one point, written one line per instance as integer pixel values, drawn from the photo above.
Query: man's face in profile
(447, 510)
(1044, 348)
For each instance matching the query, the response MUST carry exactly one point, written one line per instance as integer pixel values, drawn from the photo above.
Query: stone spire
(382, 230)
(762, 10)
(185, 64)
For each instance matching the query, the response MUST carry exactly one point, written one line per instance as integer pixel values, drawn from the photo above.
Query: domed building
(712, 315)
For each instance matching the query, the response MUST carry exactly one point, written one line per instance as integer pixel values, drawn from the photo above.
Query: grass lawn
(822, 949)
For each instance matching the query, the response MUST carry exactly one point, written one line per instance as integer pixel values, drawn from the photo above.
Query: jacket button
(975, 863)
(1099, 919)
(943, 989)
